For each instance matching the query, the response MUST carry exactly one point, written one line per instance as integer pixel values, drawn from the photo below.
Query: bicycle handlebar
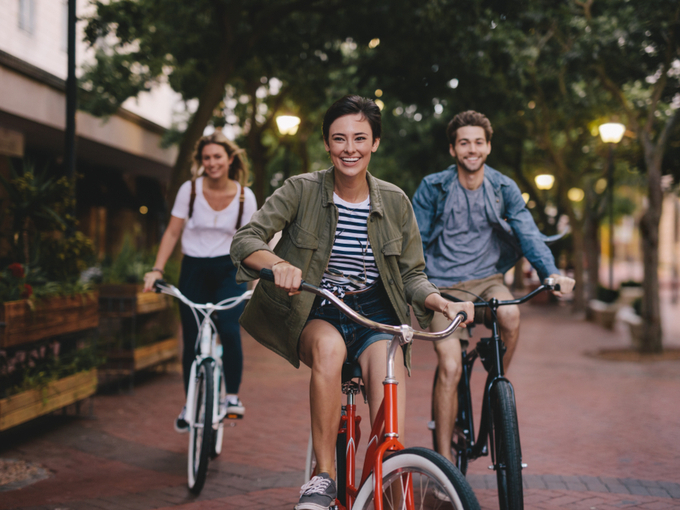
(404, 331)
(162, 287)
(548, 284)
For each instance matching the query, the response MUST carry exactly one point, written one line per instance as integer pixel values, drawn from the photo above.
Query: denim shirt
(512, 222)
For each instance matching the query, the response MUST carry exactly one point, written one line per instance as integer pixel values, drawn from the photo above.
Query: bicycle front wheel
(218, 434)
(506, 447)
(420, 475)
(200, 435)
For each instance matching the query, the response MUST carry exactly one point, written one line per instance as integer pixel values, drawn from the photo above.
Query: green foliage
(37, 368)
(607, 295)
(38, 202)
(130, 265)
(65, 257)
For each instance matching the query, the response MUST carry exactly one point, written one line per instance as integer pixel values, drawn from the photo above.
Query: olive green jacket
(304, 211)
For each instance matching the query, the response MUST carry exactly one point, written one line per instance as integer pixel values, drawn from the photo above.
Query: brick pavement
(595, 434)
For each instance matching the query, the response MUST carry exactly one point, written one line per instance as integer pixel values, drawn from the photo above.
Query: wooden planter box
(30, 404)
(603, 313)
(127, 299)
(145, 356)
(53, 316)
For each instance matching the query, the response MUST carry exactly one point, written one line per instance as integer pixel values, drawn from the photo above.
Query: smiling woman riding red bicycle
(356, 236)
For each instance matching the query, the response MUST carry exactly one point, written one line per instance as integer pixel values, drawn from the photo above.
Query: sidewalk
(595, 434)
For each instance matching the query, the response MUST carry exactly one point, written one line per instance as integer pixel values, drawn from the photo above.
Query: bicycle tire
(508, 464)
(200, 435)
(341, 467)
(429, 472)
(218, 434)
(458, 445)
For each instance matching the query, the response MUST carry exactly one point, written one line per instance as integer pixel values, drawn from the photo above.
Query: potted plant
(603, 310)
(36, 382)
(138, 328)
(42, 299)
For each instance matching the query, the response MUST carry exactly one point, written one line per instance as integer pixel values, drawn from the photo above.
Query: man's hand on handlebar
(566, 284)
(287, 277)
(452, 309)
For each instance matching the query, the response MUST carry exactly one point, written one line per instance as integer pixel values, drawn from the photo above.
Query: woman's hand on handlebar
(150, 278)
(287, 277)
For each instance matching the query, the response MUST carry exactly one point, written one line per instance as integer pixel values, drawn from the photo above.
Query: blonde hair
(238, 170)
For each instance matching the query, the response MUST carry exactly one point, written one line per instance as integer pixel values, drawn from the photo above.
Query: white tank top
(208, 233)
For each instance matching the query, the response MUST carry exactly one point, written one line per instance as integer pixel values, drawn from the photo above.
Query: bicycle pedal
(233, 416)
(524, 466)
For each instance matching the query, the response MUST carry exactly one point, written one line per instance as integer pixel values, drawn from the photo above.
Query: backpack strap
(192, 199)
(241, 200)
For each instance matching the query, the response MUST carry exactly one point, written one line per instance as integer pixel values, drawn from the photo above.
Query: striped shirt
(352, 264)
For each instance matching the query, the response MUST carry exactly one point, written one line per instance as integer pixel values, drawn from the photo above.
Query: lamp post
(611, 133)
(288, 126)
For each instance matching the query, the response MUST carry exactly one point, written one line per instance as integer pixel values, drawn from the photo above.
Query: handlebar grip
(267, 274)
(156, 284)
(556, 287)
(463, 314)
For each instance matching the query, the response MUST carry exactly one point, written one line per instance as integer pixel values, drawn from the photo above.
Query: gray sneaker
(318, 494)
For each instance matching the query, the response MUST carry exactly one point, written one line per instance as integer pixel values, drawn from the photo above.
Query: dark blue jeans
(210, 280)
(373, 303)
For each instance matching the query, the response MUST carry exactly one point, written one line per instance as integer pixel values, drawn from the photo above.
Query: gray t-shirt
(467, 249)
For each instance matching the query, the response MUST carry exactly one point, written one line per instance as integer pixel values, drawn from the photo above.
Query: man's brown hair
(469, 118)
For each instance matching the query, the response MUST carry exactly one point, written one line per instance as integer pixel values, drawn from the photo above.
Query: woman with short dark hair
(346, 231)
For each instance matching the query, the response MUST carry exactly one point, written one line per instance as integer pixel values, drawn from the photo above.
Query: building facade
(123, 170)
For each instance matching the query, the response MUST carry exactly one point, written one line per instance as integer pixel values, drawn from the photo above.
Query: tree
(198, 47)
(634, 50)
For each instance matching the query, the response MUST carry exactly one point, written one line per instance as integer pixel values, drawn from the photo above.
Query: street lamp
(288, 126)
(611, 133)
(544, 181)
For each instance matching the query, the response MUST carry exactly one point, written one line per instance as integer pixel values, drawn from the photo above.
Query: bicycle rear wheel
(200, 435)
(507, 447)
(433, 481)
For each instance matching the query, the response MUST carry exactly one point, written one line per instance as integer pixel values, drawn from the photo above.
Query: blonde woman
(208, 211)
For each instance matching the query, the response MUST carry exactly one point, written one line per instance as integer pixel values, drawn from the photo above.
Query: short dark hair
(352, 104)
(469, 118)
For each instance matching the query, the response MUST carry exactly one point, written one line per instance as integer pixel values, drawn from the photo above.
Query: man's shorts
(472, 290)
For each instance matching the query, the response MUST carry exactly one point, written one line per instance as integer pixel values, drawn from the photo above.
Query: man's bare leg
(508, 319)
(445, 398)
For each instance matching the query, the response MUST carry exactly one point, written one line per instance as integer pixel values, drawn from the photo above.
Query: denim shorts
(372, 303)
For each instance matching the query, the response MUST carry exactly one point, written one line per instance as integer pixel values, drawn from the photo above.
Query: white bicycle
(207, 388)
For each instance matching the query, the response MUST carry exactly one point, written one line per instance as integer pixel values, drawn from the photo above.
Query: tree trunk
(577, 236)
(591, 244)
(257, 153)
(649, 230)
(210, 98)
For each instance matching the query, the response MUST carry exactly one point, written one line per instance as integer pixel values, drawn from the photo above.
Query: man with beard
(474, 226)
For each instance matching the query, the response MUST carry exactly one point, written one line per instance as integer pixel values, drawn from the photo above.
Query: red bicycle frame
(383, 439)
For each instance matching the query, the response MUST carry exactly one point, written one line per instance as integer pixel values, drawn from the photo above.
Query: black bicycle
(498, 430)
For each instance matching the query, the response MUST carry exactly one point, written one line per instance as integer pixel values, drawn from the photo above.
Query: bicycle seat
(350, 370)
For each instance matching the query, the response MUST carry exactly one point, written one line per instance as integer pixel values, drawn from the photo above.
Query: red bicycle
(392, 476)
